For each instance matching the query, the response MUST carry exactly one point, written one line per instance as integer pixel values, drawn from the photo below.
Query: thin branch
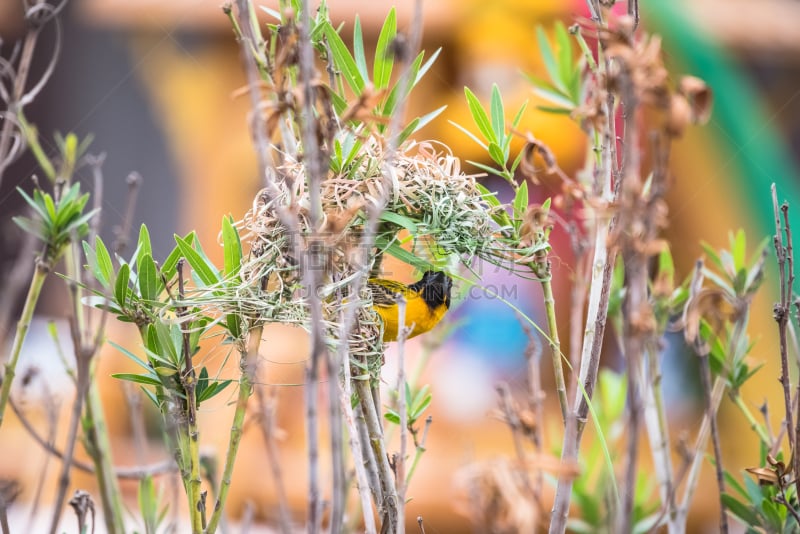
(402, 410)
(781, 314)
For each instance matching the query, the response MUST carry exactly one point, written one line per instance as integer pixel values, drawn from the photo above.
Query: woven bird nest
(429, 196)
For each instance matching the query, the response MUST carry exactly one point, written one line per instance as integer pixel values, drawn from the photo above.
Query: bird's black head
(434, 286)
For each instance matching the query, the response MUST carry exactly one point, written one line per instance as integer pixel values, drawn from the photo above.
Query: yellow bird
(426, 302)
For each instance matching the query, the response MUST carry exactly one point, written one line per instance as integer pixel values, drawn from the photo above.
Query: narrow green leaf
(204, 271)
(518, 116)
(521, 200)
(554, 110)
(488, 196)
(232, 247)
(165, 371)
(419, 123)
(37, 203)
(394, 249)
(149, 284)
(392, 417)
(148, 504)
(121, 290)
(139, 379)
(358, 50)
(479, 115)
(549, 59)
(384, 58)
(554, 96)
(410, 128)
(739, 249)
(490, 170)
(129, 355)
(470, 135)
(234, 325)
(343, 61)
(427, 65)
(34, 227)
(498, 114)
(104, 266)
(166, 341)
(144, 246)
(170, 264)
(400, 220)
(213, 389)
(496, 153)
(394, 95)
(566, 62)
(50, 207)
(152, 396)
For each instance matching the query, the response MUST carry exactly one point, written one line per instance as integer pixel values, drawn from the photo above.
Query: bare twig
(402, 410)
(83, 358)
(597, 313)
(781, 314)
(123, 232)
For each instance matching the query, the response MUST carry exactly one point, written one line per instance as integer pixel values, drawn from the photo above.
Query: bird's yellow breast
(417, 314)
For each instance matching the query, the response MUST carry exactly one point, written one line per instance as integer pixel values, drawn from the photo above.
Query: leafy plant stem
(34, 291)
(555, 344)
(246, 379)
(755, 426)
(98, 446)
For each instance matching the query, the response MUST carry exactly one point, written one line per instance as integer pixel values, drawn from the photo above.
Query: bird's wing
(384, 291)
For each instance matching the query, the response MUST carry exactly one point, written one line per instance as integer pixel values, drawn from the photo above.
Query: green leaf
(488, 196)
(130, 355)
(232, 247)
(555, 97)
(407, 257)
(204, 271)
(470, 135)
(165, 371)
(554, 110)
(104, 266)
(343, 61)
(392, 417)
(170, 350)
(479, 115)
(149, 284)
(213, 389)
(384, 58)
(139, 379)
(144, 246)
(358, 50)
(234, 324)
(419, 123)
(121, 290)
(148, 504)
(170, 264)
(50, 207)
(418, 408)
(427, 65)
(490, 170)
(498, 114)
(739, 249)
(549, 59)
(30, 226)
(400, 220)
(566, 63)
(521, 200)
(496, 153)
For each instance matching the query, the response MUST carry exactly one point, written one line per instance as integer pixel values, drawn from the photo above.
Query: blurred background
(156, 82)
